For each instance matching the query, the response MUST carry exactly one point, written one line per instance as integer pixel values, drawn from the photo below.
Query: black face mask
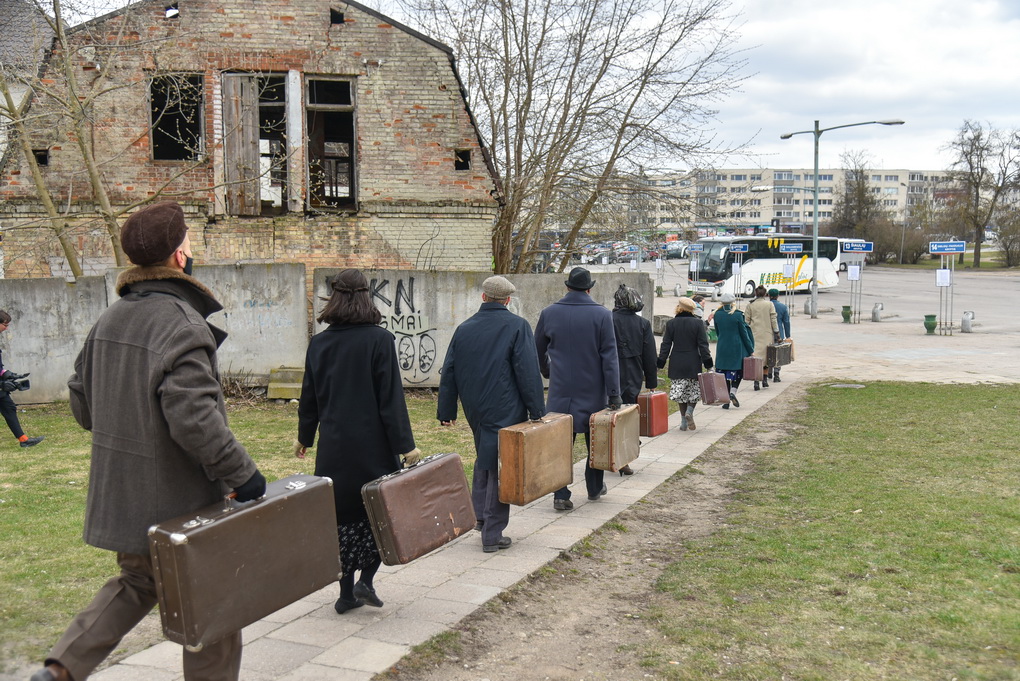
(187, 265)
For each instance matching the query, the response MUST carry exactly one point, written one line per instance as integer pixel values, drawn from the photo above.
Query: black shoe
(32, 442)
(726, 406)
(363, 592)
(341, 606)
(734, 400)
(757, 385)
(765, 383)
(777, 379)
(45, 674)
(563, 504)
(478, 526)
(503, 543)
(602, 493)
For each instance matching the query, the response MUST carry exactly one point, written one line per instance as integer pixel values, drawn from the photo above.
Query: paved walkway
(308, 640)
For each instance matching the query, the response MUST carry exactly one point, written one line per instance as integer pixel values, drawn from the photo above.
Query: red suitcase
(654, 409)
(224, 567)
(535, 458)
(754, 368)
(713, 388)
(418, 509)
(614, 437)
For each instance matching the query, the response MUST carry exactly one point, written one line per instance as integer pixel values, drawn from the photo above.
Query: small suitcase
(713, 388)
(754, 368)
(535, 458)
(614, 437)
(654, 409)
(779, 354)
(224, 567)
(418, 509)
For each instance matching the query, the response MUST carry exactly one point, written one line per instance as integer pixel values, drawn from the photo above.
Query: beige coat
(761, 317)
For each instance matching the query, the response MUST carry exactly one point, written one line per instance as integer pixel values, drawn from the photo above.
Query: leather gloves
(709, 363)
(253, 489)
(615, 402)
(412, 457)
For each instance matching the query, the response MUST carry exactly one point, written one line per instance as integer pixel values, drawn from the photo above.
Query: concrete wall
(422, 309)
(265, 313)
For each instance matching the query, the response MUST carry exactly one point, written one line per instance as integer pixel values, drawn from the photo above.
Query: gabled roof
(25, 35)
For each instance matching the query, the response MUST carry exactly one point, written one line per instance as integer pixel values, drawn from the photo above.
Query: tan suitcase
(535, 458)
(418, 509)
(224, 567)
(614, 437)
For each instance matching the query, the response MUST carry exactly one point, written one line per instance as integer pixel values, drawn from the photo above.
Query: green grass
(991, 260)
(49, 573)
(881, 542)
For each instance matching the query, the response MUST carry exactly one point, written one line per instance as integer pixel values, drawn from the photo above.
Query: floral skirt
(357, 546)
(684, 390)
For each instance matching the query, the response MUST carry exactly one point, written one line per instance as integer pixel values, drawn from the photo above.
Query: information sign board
(791, 248)
(936, 247)
(738, 248)
(858, 246)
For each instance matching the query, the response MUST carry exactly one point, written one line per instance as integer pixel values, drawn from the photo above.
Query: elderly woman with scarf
(685, 344)
(735, 343)
(635, 346)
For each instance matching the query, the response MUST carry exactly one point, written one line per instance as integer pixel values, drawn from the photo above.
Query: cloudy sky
(930, 63)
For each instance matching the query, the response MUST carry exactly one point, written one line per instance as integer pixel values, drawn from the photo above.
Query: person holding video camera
(9, 382)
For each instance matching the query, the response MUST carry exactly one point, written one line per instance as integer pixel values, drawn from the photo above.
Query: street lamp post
(817, 132)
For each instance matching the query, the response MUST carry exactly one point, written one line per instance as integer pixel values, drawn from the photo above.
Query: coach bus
(763, 263)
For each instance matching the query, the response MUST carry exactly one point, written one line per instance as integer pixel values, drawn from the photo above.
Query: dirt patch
(586, 615)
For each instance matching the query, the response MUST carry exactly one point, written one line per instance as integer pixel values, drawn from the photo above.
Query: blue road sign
(696, 248)
(791, 248)
(947, 247)
(858, 246)
(738, 248)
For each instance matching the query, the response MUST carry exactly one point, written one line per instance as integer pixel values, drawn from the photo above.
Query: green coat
(735, 340)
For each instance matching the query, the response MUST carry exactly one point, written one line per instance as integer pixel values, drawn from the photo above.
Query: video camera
(11, 381)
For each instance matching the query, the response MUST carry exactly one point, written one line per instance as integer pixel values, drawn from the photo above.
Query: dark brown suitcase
(224, 567)
(713, 388)
(614, 437)
(418, 509)
(779, 354)
(654, 409)
(754, 368)
(535, 458)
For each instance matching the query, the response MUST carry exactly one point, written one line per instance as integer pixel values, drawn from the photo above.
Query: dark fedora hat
(579, 279)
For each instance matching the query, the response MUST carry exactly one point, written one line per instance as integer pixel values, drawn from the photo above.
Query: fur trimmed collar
(171, 281)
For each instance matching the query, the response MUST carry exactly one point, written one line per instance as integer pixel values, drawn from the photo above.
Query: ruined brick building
(292, 131)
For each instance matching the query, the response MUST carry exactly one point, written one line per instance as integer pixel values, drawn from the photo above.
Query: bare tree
(575, 95)
(857, 211)
(986, 168)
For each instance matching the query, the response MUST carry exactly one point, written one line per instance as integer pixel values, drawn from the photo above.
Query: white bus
(763, 264)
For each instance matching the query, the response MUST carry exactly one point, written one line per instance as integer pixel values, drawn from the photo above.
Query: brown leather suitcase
(614, 437)
(224, 567)
(713, 388)
(535, 458)
(654, 409)
(779, 354)
(418, 509)
(754, 368)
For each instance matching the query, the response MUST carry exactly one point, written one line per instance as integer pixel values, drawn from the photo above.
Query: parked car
(630, 252)
(675, 249)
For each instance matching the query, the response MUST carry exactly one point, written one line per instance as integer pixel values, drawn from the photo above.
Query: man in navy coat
(577, 353)
(492, 366)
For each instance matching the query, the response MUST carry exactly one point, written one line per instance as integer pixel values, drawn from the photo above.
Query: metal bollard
(966, 325)
(677, 291)
(876, 312)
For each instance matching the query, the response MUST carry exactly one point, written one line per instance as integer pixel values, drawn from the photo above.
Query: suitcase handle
(227, 498)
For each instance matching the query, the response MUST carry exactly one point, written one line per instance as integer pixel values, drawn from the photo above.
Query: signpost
(944, 276)
(854, 274)
(789, 268)
(693, 251)
(738, 251)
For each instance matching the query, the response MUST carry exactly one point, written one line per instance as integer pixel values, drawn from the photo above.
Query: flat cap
(498, 288)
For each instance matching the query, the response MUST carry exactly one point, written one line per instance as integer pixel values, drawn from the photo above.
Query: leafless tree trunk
(574, 96)
(986, 168)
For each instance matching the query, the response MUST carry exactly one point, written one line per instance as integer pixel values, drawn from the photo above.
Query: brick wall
(414, 209)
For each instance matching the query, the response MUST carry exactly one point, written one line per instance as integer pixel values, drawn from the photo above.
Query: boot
(765, 382)
(775, 376)
(733, 398)
(757, 385)
(690, 417)
(683, 415)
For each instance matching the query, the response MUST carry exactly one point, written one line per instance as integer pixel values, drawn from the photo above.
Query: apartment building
(715, 201)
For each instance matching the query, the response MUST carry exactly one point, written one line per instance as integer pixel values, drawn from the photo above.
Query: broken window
(331, 143)
(176, 117)
(462, 159)
(336, 17)
(255, 144)
(42, 156)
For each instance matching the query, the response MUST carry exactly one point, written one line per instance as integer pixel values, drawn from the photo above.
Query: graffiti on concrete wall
(416, 343)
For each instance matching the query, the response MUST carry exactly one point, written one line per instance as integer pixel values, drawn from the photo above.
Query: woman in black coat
(352, 394)
(685, 344)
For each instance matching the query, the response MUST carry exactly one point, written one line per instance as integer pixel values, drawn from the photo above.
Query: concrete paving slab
(274, 657)
(404, 631)
(436, 610)
(293, 611)
(362, 654)
(123, 672)
(258, 630)
(318, 672)
(464, 592)
(486, 577)
(165, 655)
(314, 631)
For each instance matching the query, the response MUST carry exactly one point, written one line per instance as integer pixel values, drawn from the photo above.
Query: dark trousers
(116, 609)
(10, 412)
(593, 477)
(493, 514)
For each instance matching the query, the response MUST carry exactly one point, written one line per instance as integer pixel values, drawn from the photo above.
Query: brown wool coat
(146, 384)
